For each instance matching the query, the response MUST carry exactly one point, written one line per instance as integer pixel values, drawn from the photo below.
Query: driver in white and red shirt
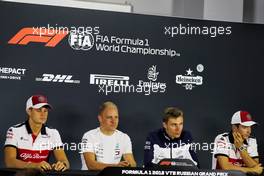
(237, 150)
(29, 144)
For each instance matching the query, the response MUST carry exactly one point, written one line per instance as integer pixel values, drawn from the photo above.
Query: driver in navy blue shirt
(169, 142)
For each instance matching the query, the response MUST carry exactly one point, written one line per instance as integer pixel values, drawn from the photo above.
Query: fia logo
(81, 40)
(152, 73)
(57, 78)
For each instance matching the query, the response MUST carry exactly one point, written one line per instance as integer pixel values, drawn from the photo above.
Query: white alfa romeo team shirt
(224, 145)
(30, 149)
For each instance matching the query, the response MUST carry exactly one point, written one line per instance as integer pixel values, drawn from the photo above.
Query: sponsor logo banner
(57, 78)
(40, 35)
(189, 80)
(12, 73)
(108, 84)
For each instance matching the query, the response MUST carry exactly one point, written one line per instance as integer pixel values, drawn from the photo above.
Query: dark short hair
(172, 112)
(237, 125)
(105, 105)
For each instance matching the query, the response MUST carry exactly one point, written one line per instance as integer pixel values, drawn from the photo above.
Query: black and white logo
(152, 73)
(108, 84)
(109, 80)
(12, 73)
(81, 40)
(189, 80)
(151, 85)
(58, 78)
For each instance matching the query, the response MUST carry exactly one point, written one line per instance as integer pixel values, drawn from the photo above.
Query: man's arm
(247, 159)
(191, 150)
(148, 152)
(92, 164)
(226, 165)
(194, 157)
(10, 154)
(62, 163)
(130, 159)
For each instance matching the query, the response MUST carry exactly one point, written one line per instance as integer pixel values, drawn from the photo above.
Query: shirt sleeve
(128, 144)
(86, 144)
(56, 140)
(221, 146)
(11, 138)
(253, 148)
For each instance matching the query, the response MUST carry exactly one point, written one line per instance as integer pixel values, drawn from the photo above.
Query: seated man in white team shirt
(237, 150)
(106, 146)
(29, 144)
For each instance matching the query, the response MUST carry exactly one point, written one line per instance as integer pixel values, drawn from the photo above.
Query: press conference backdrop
(80, 58)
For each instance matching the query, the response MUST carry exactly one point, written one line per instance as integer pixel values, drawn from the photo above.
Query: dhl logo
(39, 35)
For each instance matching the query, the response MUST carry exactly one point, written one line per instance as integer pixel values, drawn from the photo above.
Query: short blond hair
(106, 105)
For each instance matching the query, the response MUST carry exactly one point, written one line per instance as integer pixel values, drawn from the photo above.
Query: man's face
(245, 131)
(109, 119)
(174, 126)
(38, 116)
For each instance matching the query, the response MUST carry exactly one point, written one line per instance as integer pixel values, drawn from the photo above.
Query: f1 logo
(42, 35)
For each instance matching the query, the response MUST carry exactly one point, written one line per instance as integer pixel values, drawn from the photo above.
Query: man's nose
(176, 127)
(43, 111)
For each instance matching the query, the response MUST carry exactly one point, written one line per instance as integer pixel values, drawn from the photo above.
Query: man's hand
(238, 139)
(123, 164)
(256, 169)
(59, 166)
(44, 166)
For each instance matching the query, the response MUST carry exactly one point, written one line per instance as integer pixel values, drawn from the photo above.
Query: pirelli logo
(40, 35)
(109, 80)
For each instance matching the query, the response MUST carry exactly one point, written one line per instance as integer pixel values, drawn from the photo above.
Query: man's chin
(176, 135)
(112, 129)
(42, 122)
(245, 137)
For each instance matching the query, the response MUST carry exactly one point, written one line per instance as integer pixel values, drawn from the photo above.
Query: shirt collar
(29, 130)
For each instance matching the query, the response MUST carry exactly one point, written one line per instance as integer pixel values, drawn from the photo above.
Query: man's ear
(28, 111)
(99, 118)
(164, 125)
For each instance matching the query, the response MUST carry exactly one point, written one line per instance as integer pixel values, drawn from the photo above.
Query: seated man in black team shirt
(169, 142)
